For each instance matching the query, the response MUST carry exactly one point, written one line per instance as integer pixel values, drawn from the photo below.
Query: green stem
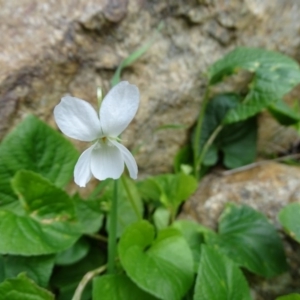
(172, 215)
(206, 146)
(112, 237)
(196, 144)
(130, 197)
(84, 281)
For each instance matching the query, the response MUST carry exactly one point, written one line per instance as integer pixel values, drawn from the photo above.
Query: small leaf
(183, 157)
(219, 278)
(34, 146)
(38, 268)
(116, 287)
(283, 113)
(161, 266)
(248, 238)
(289, 217)
(170, 189)
(161, 218)
(23, 288)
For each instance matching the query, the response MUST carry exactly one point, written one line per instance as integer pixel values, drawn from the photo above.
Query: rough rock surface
(72, 46)
(268, 187)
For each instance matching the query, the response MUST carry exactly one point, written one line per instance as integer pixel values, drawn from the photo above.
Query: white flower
(106, 157)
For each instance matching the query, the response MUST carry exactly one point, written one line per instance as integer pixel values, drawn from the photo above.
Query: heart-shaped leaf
(219, 278)
(250, 240)
(162, 266)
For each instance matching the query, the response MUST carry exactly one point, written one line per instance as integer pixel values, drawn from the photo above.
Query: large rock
(72, 46)
(267, 187)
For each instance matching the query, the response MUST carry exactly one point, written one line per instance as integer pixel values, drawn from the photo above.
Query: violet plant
(124, 242)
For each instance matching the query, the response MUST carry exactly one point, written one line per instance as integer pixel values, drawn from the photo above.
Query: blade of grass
(134, 56)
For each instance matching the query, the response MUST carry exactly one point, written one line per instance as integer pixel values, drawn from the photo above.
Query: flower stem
(84, 281)
(112, 237)
(130, 197)
(196, 144)
(207, 145)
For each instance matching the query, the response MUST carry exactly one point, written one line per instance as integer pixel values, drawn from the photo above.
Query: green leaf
(23, 288)
(183, 157)
(41, 199)
(73, 254)
(162, 266)
(22, 235)
(237, 141)
(193, 234)
(249, 239)
(161, 218)
(274, 76)
(289, 297)
(126, 213)
(170, 189)
(289, 218)
(116, 287)
(45, 222)
(283, 113)
(219, 278)
(38, 268)
(89, 214)
(34, 146)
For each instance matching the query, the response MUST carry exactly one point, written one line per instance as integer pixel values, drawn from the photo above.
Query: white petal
(129, 160)
(77, 119)
(82, 171)
(118, 108)
(107, 161)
